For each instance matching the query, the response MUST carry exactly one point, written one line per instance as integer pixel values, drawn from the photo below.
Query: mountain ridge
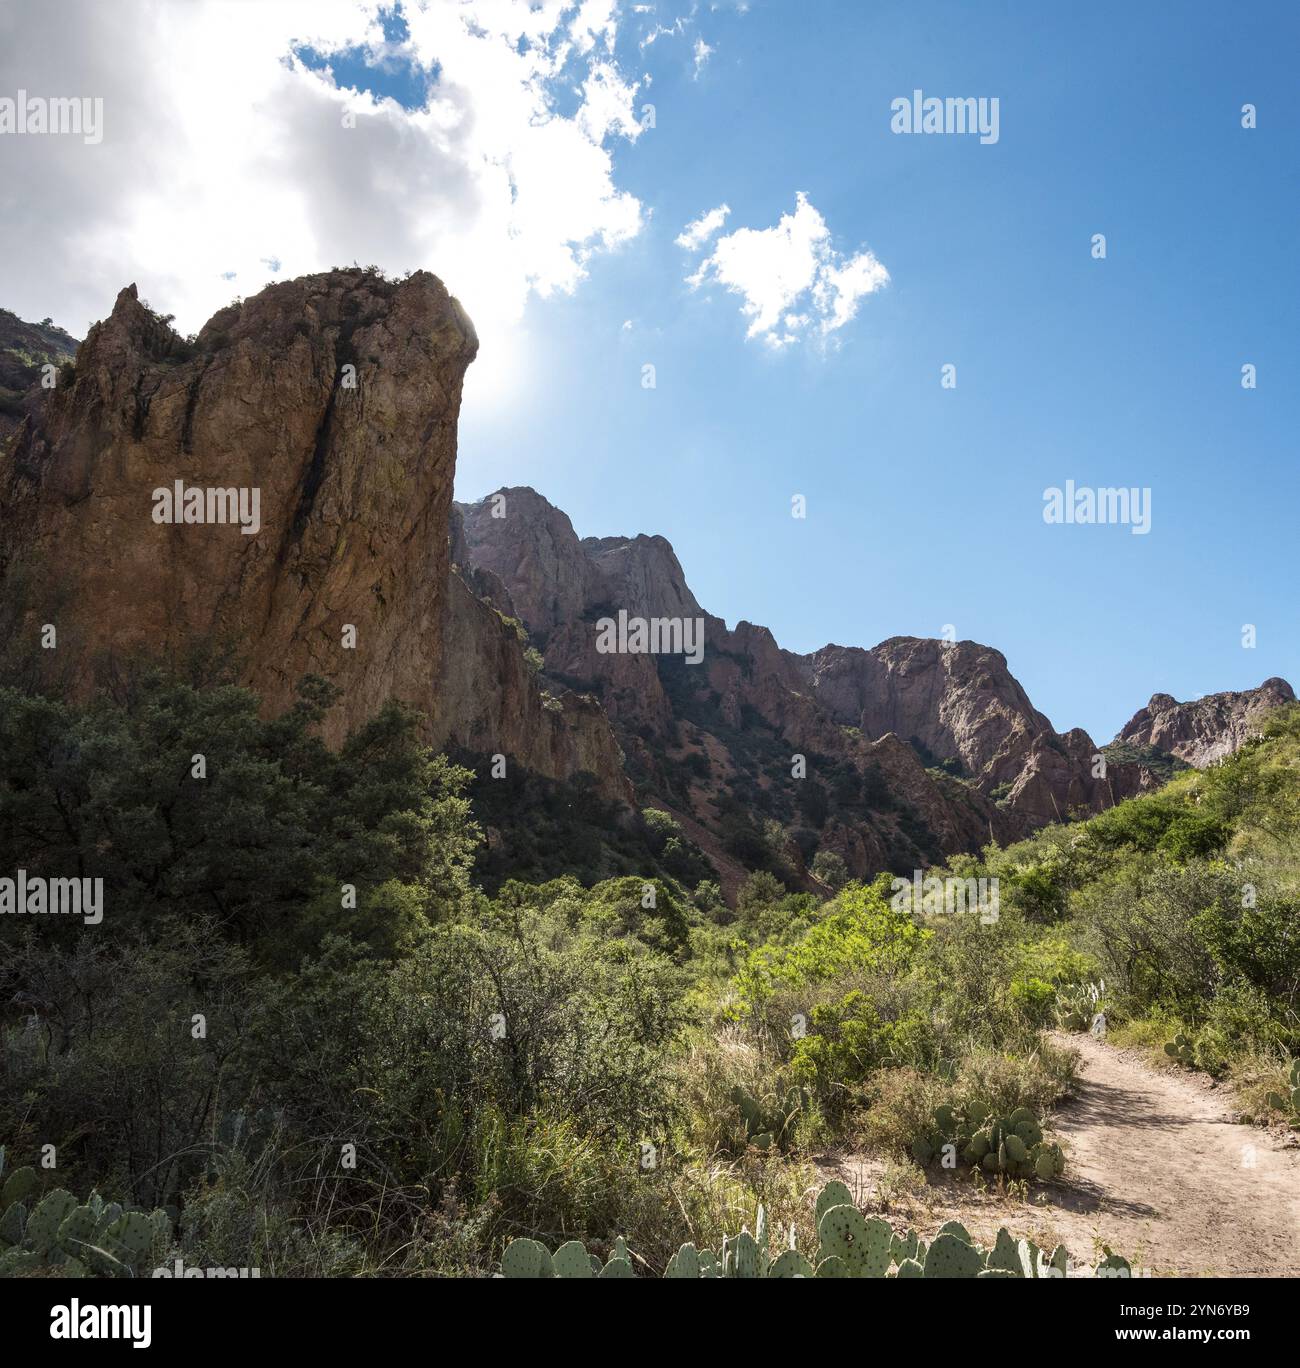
(954, 705)
(336, 396)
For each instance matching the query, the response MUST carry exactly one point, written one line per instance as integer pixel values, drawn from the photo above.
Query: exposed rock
(531, 547)
(335, 397)
(640, 574)
(717, 743)
(958, 701)
(1207, 729)
(700, 740)
(488, 701)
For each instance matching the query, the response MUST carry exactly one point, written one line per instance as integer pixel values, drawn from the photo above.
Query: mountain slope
(912, 750)
(1207, 729)
(24, 349)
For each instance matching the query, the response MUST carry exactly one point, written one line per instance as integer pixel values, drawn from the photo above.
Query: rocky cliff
(741, 747)
(1207, 729)
(277, 491)
(911, 750)
(278, 488)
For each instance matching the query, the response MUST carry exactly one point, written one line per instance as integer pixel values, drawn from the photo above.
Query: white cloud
(702, 54)
(222, 153)
(696, 234)
(791, 280)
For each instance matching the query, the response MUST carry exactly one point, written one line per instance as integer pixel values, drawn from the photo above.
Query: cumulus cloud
(223, 153)
(791, 281)
(696, 234)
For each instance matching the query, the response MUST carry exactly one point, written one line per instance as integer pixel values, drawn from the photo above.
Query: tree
(829, 867)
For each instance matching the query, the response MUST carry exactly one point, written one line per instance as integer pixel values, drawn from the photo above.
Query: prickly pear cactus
(57, 1232)
(526, 1258)
(791, 1264)
(1181, 1049)
(770, 1119)
(832, 1195)
(950, 1257)
(1009, 1145)
(1077, 1006)
(1005, 1254)
(1288, 1102)
(862, 1244)
(851, 1245)
(19, 1186)
(572, 1261)
(740, 1255)
(42, 1233)
(12, 1225)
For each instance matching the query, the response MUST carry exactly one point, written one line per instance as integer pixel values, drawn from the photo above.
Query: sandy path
(1156, 1169)
(1157, 1165)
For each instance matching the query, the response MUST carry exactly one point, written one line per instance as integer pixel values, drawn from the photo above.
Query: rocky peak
(531, 547)
(642, 575)
(333, 401)
(1206, 729)
(554, 578)
(955, 700)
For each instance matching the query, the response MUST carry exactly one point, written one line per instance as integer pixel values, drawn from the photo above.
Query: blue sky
(499, 144)
(925, 505)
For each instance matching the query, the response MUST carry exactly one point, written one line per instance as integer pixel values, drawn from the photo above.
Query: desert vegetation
(316, 1034)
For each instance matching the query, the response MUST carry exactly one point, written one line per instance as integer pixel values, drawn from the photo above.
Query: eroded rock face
(1207, 729)
(731, 730)
(697, 738)
(334, 399)
(531, 547)
(488, 701)
(957, 700)
(959, 703)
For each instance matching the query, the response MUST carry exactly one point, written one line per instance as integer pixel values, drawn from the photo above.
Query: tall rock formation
(333, 401)
(330, 404)
(739, 743)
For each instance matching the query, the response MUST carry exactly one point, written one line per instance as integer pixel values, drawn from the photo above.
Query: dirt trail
(1156, 1168)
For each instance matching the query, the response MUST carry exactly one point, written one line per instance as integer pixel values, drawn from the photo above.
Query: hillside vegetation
(306, 1034)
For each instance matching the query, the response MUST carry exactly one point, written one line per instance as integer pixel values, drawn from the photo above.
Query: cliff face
(959, 703)
(326, 409)
(875, 728)
(718, 743)
(328, 405)
(1207, 729)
